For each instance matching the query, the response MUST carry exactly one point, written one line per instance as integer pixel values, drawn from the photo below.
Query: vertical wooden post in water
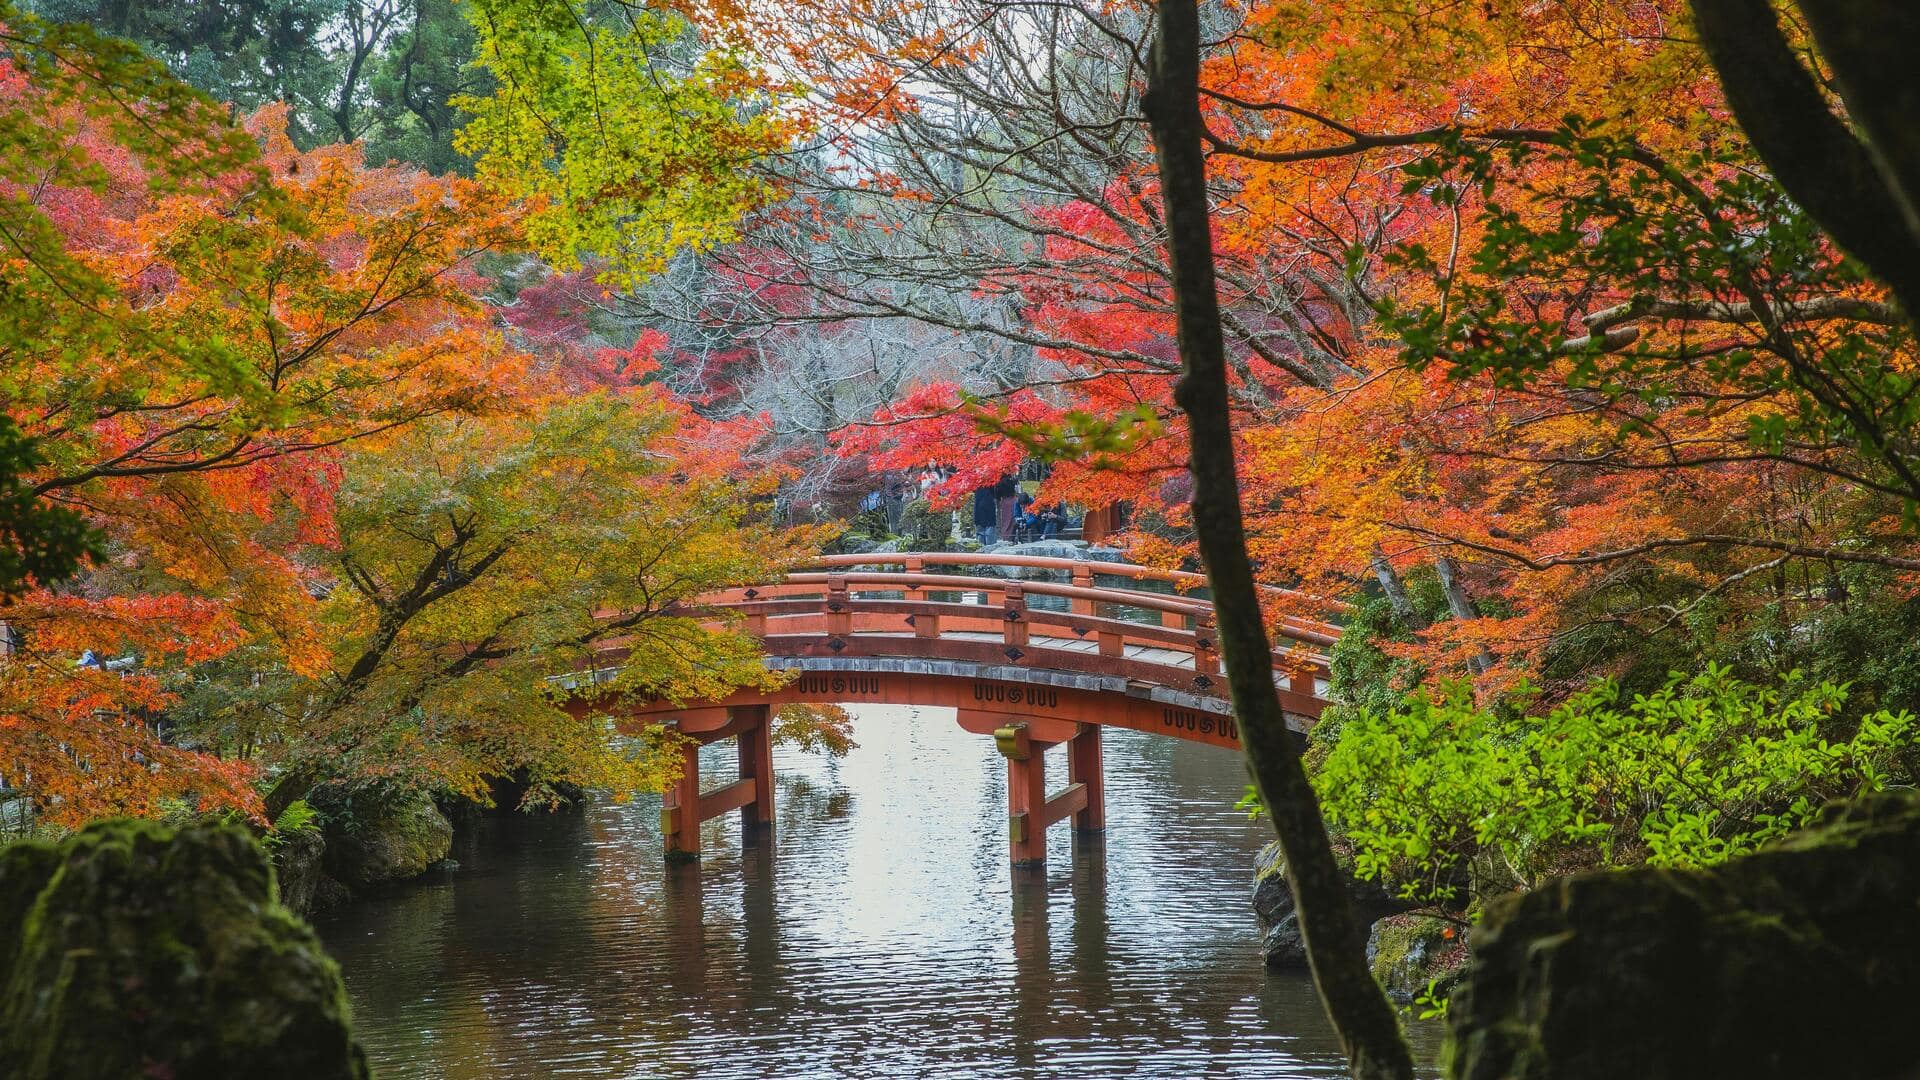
(756, 764)
(1084, 767)
(1026, 795)
(680, 810)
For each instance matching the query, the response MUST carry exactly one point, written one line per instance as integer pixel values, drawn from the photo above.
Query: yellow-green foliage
(481, 556)
(632, 139)
(1439, 792)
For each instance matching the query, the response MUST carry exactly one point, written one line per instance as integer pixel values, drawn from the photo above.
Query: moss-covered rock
(1273, 907)
(299, 864)
(297, 868)
(385, 840)
(146, 952)
(1411, 953)
(925, 528)
(1800, 960)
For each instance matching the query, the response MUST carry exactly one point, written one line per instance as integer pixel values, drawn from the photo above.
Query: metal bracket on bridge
(1014, 742)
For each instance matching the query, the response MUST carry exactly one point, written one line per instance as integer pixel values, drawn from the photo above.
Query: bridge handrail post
(839, 607)
(914, 564)
(1013, 627)
(1206, 648)
(1301, 679)
(1082, 579)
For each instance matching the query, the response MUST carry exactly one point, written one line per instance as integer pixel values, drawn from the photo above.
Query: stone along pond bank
(135, 950)
(367, 842)
(362, 849)
(1410, 953)
(1800, 960)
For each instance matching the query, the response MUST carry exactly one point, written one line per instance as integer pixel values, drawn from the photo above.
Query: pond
(878, 933)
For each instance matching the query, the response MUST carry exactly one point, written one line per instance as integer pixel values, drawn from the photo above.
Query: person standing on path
(983, 516)
(1006, 496)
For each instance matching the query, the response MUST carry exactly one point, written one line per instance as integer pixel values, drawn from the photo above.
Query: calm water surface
(879, 933)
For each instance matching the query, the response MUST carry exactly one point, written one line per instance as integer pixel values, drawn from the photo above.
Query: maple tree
(196, 313)
(231, 358)
(482, 555)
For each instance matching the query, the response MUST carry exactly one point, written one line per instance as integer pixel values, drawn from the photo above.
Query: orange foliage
(244, 332)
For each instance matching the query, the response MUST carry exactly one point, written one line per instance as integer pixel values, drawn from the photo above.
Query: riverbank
(373, 842)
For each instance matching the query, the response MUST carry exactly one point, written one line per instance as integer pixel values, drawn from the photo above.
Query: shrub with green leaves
(1440, 794)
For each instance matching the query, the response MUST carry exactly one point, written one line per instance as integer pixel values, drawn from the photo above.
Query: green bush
(297, 819)
(1438, 792)
(925, 528)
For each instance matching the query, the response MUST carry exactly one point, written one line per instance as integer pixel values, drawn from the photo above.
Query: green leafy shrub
(298, 819)
(925, 528)
(1439, 794)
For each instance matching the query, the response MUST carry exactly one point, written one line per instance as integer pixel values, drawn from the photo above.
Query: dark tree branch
(1871, 45)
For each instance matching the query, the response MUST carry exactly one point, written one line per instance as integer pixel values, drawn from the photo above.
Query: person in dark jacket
(984, 515)
(1006, 495)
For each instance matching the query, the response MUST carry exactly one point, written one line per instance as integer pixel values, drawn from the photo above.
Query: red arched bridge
(1034, 652)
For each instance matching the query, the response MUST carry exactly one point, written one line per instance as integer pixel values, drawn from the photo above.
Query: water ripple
(881, 935)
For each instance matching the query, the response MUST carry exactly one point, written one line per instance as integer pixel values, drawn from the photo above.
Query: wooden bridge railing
(970, 629)
(840, 606)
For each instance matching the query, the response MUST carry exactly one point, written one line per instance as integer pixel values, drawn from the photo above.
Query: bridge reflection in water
(1035, 664)
(876, 934)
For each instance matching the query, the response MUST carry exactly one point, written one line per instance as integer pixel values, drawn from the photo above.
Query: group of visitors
(1004, 506)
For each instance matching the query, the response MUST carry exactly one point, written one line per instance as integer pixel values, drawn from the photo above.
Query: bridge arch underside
(993, 690)
(1027, 711)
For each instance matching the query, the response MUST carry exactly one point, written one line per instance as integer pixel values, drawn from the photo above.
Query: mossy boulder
(1273, 908)
(1410, 954)
(1800, 960)
(925, 528)
(299, 865)
(136, 950)
(388, 839)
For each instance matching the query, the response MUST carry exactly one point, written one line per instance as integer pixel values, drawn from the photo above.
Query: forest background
(349, 388)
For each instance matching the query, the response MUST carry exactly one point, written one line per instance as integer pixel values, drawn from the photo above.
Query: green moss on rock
(1281, 942)
(387, 841)
(1410, 953)
(147, 951)
(1800, 960)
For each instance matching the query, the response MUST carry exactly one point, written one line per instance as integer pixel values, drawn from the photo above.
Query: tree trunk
(1852, 189)
(1396, 591)
(1460, 604)
(1368, 1027)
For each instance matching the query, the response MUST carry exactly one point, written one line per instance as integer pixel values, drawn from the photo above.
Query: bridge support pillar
(1030, 810)
(685, 806)
(1026, 799)
(679, 811)
(1085, 768)
(756, 764)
